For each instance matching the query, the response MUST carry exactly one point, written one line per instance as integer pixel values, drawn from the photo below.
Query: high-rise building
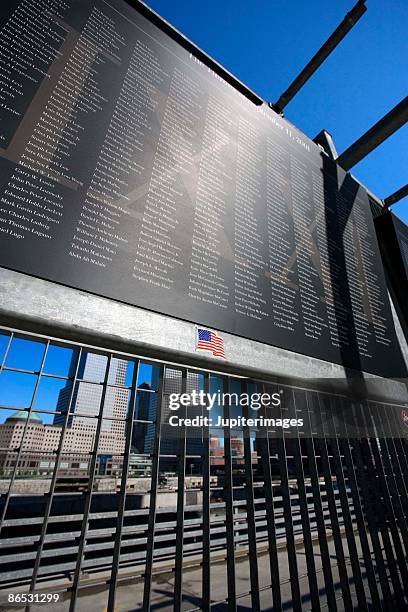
(86, 402)
(144, 430)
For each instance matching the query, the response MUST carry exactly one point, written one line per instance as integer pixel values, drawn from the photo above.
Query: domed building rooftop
(22, 415)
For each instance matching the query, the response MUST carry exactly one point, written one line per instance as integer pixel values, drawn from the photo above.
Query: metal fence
(101, 500)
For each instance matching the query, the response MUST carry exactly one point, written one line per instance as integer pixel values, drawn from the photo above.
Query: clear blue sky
(266, 43)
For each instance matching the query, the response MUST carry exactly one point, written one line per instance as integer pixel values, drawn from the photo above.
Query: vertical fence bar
(151, 524)
(264, 451)
(44, 527)
(304, 511)
(206, 569)
(88, 495)
(178, 571)
(20, 450)
(345, 449)
(381, 507)
(396, 557)
(375, 512)
(6, 352)
(229, 507)
(290, 535)
(373, 520)
(400, 442)
(398, 464)
(404, 443)
(345, 508)
(249, 489)
(318, 506)
(398, 494)
(122, 493)
(334, 518)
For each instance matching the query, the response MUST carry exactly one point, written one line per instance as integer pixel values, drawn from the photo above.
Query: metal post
(40, 545)
(346, 449)
(88, 495)
(396, 196)
(287, 508)
(318, 506)
(249, 489)
(303, 506)
(20, 450)
(345, 505)
(229, 508)
(263, 443)
(122, 494)
(178, 570)
(322, 444)
(317, 60)
(153, 497)
(206, 572)
(383, 129)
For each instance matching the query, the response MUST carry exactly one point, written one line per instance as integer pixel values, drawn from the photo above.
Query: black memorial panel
(132, 170)
(401, 230)
(393, 239)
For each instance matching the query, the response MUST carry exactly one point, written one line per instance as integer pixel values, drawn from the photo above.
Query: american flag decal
(209, 341)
